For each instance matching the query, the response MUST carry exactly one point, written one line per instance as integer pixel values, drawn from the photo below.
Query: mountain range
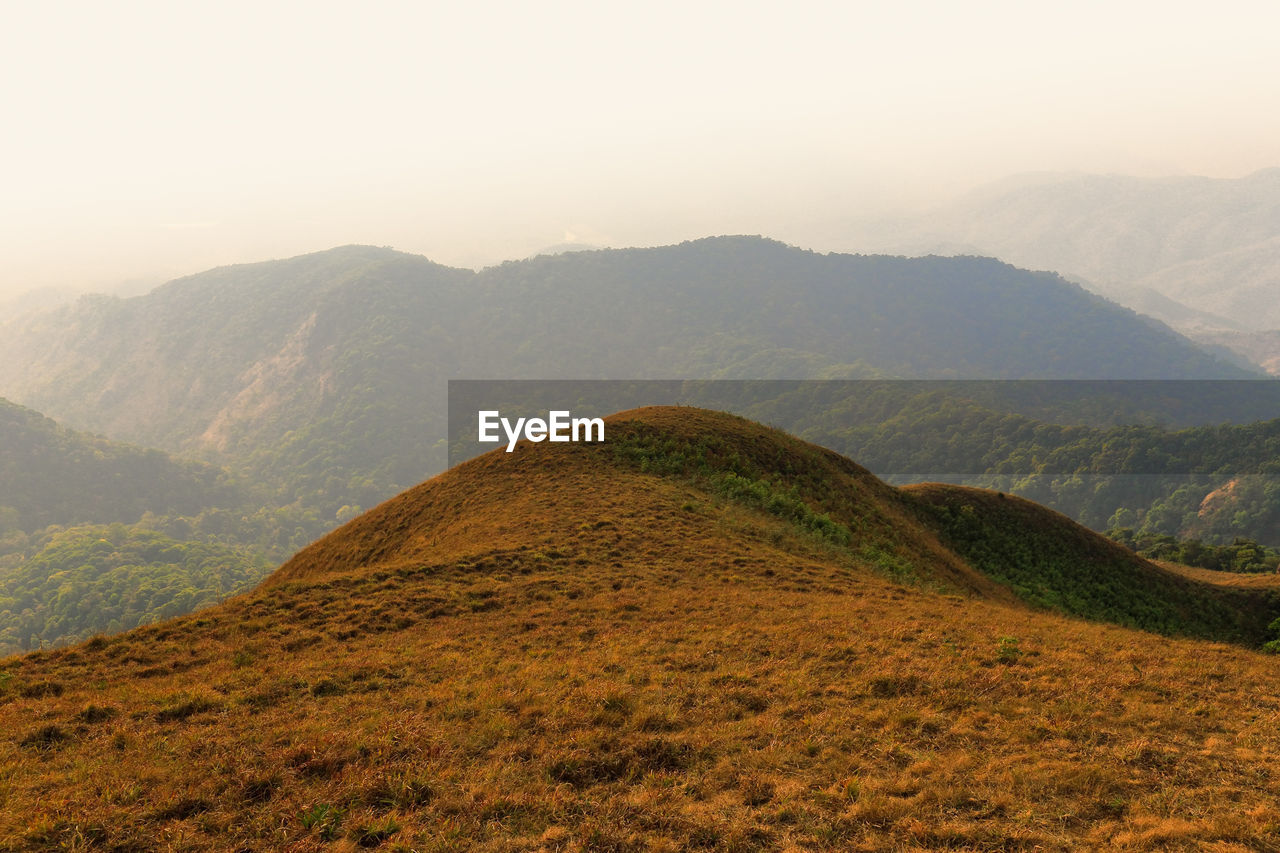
(325, 374)
(1201, 254)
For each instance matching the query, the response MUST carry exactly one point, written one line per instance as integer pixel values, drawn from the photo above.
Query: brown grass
(1248, 580)
(545, 651)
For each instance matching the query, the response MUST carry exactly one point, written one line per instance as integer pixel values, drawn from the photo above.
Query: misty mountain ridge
(52, 475)
(1212, 245)
(326, 373)
(566, 247)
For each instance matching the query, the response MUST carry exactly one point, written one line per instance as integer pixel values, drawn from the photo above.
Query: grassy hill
(699, 634)
(1053, 563)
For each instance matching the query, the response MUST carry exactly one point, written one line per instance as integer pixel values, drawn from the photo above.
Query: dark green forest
(80, 581)
(1240, 555)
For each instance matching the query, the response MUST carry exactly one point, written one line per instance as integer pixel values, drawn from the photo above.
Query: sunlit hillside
(700, 634)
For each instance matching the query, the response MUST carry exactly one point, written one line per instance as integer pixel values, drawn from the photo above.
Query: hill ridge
(960, 539)
(296, 369)
(684, 653)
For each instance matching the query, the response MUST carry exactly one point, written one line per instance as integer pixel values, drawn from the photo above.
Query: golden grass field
(552, 650)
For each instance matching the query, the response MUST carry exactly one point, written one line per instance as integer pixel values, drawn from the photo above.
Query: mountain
(325, 374)
(562, 248)
(53, 475)
(1261, 348)
(1241, 284)
(698, 634)
(1211, 246)
(33, 301)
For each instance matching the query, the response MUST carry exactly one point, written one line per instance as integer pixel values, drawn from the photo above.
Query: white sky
(148, 140)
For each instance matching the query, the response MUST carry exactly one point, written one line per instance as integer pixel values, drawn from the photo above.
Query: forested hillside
(1216, 483)
(324, 375)
(52, 475)
(98, 579)
(99, 536)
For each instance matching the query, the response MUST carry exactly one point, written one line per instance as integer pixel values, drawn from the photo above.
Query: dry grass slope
(559, 650)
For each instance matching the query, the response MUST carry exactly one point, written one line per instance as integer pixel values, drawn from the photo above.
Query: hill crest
(537, 496)
(677, 654)
(963, 540)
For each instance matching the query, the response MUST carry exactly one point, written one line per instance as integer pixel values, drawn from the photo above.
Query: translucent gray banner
(937, 429)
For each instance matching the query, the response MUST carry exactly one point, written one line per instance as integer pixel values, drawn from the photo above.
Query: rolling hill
(699, 634)
(325, 375)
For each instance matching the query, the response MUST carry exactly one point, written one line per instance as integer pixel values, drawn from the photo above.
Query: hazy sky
(147, 140)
